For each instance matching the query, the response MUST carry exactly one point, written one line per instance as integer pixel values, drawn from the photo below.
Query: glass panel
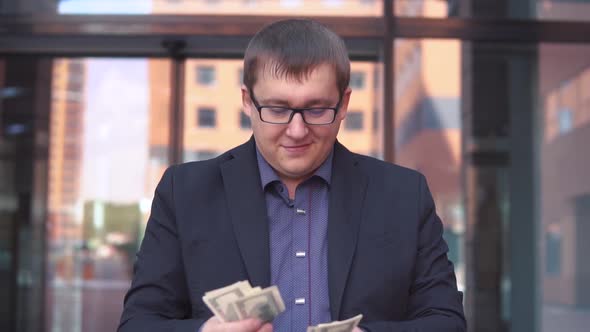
(8, 201)
(564, 186)
(425, 8)
(270, 7)
(19, 7)
(222, 7)
(428, 129)
(569, 10)
(106, 155)
(214, 122)
(24, 100)
(361, 131)
(110, 7)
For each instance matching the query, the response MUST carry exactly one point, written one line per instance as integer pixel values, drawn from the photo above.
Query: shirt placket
(300, 258)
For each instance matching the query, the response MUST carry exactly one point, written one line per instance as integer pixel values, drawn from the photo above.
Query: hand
(357, 329)
(246, 325)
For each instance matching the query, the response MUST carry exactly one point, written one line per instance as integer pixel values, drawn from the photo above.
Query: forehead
(320, 81)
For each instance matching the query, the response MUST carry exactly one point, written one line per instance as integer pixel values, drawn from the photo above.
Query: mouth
(297, 148)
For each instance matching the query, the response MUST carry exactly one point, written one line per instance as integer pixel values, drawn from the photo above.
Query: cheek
(326, 134)
(266, 134)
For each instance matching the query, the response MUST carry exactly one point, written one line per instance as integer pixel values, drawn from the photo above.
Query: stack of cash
(240, 301)
(337, 326)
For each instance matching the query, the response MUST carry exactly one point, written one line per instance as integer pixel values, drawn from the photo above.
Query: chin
(296, 172)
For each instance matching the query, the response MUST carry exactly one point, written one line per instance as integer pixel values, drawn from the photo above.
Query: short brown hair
(292, 49)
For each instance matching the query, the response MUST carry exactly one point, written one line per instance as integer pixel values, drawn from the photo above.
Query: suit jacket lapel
(347, 193)
(247, 209)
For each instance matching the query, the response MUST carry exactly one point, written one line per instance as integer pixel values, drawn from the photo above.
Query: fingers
(266, 328)
(246, 325)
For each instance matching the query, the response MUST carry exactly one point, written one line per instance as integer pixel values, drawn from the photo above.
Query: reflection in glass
(208, 134)
(106, 155)
(270, 7)
(428, 128)
(564, 186)
(224, 7)
(425, 8)
(104, 7)
(562, 10)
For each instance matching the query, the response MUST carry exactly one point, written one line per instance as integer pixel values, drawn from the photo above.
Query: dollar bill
(264, 305)
(337, 326)
(219, 300)
(240, 301)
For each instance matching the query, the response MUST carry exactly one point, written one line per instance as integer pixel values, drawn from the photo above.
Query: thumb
(246, 325)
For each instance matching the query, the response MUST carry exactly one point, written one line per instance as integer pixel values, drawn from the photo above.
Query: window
(553, 253)
(565, 119)
(244, 121)
(376, 78)
(206, 117)
(375, 120)
(357, 80)
(354, 120)
(206, 75)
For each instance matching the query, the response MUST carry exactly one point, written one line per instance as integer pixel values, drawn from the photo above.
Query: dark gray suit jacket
(208, 228)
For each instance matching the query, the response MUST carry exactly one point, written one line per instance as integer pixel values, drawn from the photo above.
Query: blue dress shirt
(298, 233)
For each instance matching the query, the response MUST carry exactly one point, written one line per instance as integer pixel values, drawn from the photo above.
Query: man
(340, 234)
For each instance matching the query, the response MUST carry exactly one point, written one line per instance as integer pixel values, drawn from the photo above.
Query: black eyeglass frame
(295, 111)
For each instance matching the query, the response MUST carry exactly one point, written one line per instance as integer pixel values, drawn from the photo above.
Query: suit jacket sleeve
(158, 299)
(434, 304)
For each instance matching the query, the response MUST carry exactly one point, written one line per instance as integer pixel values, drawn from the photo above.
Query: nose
(297, 128)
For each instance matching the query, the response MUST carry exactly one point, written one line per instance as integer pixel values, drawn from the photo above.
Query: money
(264, 305)
(240, 301)
(337, 326)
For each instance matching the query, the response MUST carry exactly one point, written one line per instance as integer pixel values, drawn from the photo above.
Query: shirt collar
(269, 175)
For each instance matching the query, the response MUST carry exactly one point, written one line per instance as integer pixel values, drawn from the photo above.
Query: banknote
(219, 300)
(337, 326)
(239, 301)
(264, 305)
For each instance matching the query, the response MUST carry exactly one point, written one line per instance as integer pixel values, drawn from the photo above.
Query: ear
(246, 101)
(344, 104)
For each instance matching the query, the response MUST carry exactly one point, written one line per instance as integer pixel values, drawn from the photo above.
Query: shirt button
(300, 211)
(300, 301)
(300, 254)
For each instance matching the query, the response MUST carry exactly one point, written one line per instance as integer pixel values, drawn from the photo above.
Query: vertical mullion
(388, 84)
(177, 110)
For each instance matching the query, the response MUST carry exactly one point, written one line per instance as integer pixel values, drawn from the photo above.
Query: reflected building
(65, 162)
(564, 155)
(428, 121)
(64, 229)
(565, 197)
(270, 7)
(158, 127)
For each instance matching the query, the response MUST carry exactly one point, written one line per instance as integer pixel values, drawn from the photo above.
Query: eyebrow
(323, 102)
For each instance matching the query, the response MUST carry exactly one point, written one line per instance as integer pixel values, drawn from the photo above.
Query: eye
(278, 111)
(317, 112)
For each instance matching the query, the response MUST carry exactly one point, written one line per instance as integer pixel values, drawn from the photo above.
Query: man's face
(295, 150)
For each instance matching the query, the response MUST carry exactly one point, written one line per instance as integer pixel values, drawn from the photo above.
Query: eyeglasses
(284, 115)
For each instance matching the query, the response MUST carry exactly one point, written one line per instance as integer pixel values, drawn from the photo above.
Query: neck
(292, 185)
